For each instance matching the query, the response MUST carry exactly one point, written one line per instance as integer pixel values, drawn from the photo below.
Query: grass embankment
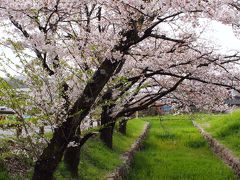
(225, 128)
(97, 161)
(174, 149)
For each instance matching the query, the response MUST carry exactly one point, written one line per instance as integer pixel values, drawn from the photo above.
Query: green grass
(225, 128)
(97, 161)
(174, 149)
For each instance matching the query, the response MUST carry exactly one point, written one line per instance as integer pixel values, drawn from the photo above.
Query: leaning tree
(192, 75)
(70, 50)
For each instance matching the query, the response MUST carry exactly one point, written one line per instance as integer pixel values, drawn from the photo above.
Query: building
(234, 99)
(162, 107)
(4, 112)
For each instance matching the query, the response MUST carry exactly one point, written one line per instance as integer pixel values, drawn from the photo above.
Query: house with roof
(234, 98)
(4, 112)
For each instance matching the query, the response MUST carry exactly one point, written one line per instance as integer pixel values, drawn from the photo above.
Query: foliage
(15, 163)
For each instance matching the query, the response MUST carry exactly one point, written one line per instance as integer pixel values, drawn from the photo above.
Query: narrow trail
(174, 149)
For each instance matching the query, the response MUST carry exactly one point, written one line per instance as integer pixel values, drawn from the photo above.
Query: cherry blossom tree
(72, 51)
(154, 84)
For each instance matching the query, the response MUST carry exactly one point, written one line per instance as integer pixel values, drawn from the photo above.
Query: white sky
(223, 36)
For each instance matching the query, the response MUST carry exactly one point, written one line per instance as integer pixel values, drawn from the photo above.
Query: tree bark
(72, 158)
(106, 135)
(72, 155)
(41, 130)
(53, 153)
(107, 122)
(123, 126)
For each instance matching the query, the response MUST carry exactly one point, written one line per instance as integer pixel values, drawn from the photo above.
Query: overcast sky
(223, 36)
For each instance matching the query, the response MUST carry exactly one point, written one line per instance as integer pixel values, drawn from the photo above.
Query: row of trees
(109, 59)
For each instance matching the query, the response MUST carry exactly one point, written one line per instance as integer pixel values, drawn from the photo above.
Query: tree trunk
(53, 153)
(106, 135)
(72, 154)
(123, 126)
(41, 130)
(72, 157)
(107, 122)
(136, 114)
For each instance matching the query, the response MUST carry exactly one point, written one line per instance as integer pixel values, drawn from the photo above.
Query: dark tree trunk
(123, 126)
(53, 153)
(106, 135)
(72, 154)
(107, 122)
(72, 157)
(41, 130)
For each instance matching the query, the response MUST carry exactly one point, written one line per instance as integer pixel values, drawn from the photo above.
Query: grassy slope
(175, 150)
(97, 161)
(225, 128)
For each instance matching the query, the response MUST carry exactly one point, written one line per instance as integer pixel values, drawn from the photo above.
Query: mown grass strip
(127, 158)
(174, 149)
